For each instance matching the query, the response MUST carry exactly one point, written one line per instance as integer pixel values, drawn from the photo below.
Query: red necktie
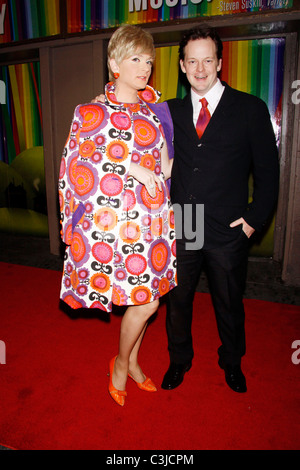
(203, 119)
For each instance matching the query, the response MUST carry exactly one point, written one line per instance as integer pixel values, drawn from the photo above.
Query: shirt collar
(213, 96)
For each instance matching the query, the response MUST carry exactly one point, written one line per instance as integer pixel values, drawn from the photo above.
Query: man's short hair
(200, 33)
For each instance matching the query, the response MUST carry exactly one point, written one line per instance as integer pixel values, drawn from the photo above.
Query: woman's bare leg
(133, 327)
(134, 368)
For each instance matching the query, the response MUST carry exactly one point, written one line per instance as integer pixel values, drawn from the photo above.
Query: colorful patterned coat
(120, 242)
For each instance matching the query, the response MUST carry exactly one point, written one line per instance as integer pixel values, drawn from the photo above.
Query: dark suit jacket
(214, 171)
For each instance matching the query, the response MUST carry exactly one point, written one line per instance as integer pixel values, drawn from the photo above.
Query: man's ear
(219, 65)
(182, 66)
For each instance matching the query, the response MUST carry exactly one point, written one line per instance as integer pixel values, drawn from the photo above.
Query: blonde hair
(127, 41)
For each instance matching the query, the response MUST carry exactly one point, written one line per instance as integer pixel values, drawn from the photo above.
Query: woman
(117, 220)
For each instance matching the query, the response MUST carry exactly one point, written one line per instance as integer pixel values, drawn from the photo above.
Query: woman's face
(134, 71)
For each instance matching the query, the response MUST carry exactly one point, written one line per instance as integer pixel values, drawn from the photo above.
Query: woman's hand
(147, 177)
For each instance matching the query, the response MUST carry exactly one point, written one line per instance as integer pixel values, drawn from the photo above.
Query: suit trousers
(226, 268)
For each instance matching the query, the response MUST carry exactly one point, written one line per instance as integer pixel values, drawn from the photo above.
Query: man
(216, 143)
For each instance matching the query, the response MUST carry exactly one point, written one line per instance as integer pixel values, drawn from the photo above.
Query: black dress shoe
(174, 375)
(234, 377)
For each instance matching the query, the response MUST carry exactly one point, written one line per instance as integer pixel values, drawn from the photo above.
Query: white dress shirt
(213, 97)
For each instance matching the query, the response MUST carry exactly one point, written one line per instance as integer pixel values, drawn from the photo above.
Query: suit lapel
(222, 112)
(187, 115)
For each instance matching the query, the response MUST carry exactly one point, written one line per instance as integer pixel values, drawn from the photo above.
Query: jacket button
(196, 170)
(199, 145)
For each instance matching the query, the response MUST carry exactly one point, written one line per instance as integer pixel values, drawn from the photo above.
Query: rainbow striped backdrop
(88, 15)
(21, 116)
(252, 66)
(29, 19)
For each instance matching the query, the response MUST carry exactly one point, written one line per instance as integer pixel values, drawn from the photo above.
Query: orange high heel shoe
(147, 385)
(117, 395)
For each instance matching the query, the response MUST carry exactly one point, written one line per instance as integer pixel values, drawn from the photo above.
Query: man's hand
(247, 229)
(99, 99)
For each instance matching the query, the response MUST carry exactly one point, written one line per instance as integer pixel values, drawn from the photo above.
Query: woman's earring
(116, 75)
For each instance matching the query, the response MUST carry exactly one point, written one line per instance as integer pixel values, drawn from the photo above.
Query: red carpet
(53, 387)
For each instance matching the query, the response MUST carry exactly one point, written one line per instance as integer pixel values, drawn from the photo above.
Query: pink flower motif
(148, 237)
(120, 121)
(136, 264)
(69, 268)
(75, 126)
(155, 283)
(67, 282)
(157, 169)
(100, 140)
(83, 274)
(96, 157)
(129, 200)
(102, 252)
(118, 258)
(156, 154)
(111, 184)
(146, 220)
(135, 157)
(88, 207)
(62, 169)
(86, 224)
(81, 289)
(120, 274)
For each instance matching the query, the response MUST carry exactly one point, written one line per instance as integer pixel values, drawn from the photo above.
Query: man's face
(201, 64)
